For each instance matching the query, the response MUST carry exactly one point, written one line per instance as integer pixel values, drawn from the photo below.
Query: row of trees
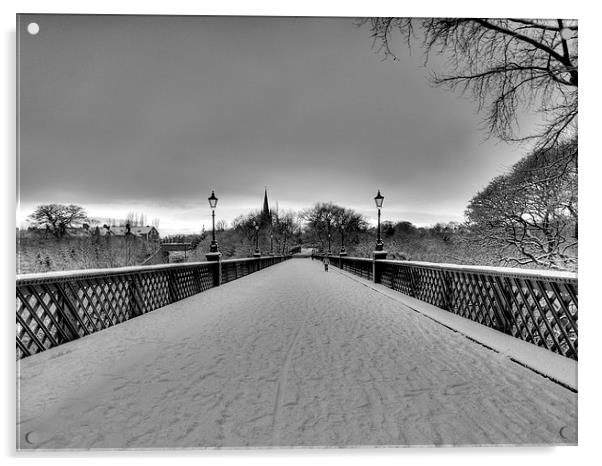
(277, 231)
(325, 221)
(527, 217)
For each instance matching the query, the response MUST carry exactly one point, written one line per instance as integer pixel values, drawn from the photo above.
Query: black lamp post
(378, 199)
(343, 252)
(257, 253)
(213, 204)
(271, 244)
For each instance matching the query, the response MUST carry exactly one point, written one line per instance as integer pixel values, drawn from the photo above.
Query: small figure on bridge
(326, 262)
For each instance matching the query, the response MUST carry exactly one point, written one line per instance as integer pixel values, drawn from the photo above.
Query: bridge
(275, 351)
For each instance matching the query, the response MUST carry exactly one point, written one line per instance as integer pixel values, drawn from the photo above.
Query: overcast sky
(149, 114)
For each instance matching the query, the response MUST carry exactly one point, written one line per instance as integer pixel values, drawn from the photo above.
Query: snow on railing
(537, 306)
(233, 269)
(57, 307)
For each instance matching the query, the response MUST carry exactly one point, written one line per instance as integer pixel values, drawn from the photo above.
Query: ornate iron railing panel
(356, 265)
(233, 269)
(58, 307)
(539, 307)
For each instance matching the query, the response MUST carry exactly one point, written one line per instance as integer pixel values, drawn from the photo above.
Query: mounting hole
(32, 437)
(568, 433)
(33, 28)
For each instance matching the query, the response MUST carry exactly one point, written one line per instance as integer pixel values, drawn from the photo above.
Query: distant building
(78, 232)
(148, 233)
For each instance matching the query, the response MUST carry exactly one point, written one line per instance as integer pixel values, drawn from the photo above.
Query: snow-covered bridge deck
(289, 356)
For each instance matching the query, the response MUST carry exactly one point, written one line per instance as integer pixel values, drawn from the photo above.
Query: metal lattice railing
(539, 307)
(356, 265)
(58, 307)
(233, 269)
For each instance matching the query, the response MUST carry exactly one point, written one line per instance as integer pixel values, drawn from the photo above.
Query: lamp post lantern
(213, 203)
(378, 199)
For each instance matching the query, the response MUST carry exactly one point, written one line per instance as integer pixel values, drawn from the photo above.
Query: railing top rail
(90, 273)
(248, 259)
(499, 271)
(65, 275)
(490, 270)
(360, 259)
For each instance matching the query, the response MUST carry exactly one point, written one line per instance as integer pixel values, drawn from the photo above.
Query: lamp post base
(217, 268)
(213, 256)
(376, 267)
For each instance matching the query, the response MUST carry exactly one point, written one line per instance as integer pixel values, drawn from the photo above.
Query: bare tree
(56, 218)
(507, 64)
(327, 218)
(135, 219)
(284, 225)
(530, 215)
(221, 225)
(245, 226)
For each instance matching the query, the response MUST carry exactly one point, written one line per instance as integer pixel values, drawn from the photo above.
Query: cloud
(157, 111)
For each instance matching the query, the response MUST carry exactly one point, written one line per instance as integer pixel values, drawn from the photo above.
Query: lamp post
(271, 243)
(378, 199)
(343, 251)
(213, 203)
(379, 254)
(256, 226)
(214, 254)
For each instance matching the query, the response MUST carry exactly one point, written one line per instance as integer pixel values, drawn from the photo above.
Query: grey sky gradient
(121, 113)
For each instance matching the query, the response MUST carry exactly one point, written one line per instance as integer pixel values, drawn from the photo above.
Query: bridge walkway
(289, 356)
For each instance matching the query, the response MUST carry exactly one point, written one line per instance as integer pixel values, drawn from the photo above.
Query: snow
(552, 365)
(73, 274)
(88, 273)
(288, 356)
(505, 271)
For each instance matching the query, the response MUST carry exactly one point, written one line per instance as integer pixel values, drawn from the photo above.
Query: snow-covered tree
(530, 214)
(56, 218)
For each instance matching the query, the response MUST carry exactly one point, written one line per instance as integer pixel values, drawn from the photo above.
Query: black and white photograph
(295, 232)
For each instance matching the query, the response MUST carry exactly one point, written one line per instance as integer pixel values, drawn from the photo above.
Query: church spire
(266, 206)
